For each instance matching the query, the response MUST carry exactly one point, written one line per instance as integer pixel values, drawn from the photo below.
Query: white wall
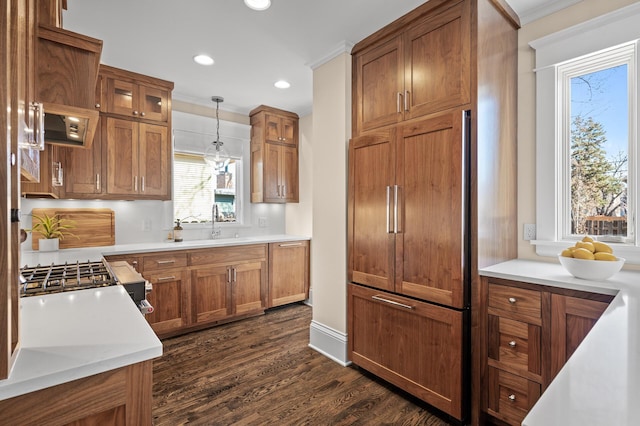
(331, 131)
(299, 215)
(580, 12)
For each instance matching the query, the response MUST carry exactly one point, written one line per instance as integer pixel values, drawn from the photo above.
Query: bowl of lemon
(590, 260)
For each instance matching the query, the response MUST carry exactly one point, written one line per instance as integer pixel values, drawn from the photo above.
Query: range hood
(67, 66)
(69, 126)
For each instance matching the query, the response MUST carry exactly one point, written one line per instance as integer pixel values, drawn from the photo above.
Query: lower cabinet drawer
(515, 346)
(510, 396)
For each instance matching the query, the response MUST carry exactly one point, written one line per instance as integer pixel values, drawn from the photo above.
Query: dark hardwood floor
(260, 371)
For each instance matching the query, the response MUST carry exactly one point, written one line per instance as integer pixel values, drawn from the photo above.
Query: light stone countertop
(34, 257)
(71, 335)
(600, 383)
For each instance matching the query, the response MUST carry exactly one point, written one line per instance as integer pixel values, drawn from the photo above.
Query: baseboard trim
(329, 342)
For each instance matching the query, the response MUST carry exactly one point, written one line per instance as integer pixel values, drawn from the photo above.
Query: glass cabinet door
(154, 103)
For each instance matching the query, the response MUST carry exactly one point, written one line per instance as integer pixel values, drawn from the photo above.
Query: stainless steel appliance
(45, 279)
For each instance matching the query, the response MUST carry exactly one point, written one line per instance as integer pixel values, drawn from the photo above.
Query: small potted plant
(52, 229)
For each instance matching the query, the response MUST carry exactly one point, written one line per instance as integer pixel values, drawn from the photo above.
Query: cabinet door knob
(142, 114)
(512, 343)
(135, 112)
(97, 105)
(512, 300)
(512, 397)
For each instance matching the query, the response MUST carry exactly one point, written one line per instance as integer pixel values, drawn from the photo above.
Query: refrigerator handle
(388, 208)
(397, 223)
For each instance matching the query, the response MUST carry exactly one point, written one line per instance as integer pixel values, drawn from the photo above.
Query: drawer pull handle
(166, 278)
(166, 262)
(391, 302)
(512, 397)
(512, 300)
(512, 343)
(290, 245)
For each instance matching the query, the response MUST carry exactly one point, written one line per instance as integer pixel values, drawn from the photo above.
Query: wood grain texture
(261, 371)
(92, 227)
(288, 272)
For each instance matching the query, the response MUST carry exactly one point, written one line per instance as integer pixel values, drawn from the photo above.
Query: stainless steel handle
(290, 245)
(398, 95)
(135, 264)
(229, 275)
(284, 190)
(142, 186)
(406, 97)
(97, 105)
(165, 262)
(142, 114)
(512, 397)
(36, 118)
(512, 300)
(512, 343)
(135, 112)
(396, 216)
(235, 275)
(388, 208)
(171, 278)
(135, 183)
(98, 182)
(391, 302)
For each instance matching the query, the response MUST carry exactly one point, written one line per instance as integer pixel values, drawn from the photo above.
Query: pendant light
(215, 155)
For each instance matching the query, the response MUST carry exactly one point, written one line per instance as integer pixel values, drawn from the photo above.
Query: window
(595, 141)
(586, 134)
(196, 187)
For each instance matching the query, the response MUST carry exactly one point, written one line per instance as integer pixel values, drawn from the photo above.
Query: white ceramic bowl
(595, 270)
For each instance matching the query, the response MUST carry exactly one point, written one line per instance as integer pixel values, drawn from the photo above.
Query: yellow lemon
(604, 256)
(586, 245)
(587, 239)
(602, 247)
(583, 253)
(567, 253)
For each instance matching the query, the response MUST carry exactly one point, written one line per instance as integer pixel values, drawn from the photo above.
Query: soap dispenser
(177, 232)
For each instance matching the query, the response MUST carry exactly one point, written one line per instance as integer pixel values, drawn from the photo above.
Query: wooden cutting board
(92, 227)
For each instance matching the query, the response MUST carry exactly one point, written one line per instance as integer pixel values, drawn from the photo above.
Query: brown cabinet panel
(165, 260)
(169, 298)
(431, 190)
(571, 320)
(274, 156)
(288, 272)
(412, 344)
(211, 298)
(137, 100)
(379, 85)
(52, 169)
(249, 287)
(154, 160)
(122, 157)
(227, 255)
(84, 176)
(519, 302)
(370, 238)
(516, 346)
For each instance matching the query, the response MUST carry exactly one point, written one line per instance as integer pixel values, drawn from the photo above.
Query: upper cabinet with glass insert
(135, 96)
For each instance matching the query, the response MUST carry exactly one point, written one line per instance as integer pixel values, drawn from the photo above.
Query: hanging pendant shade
(215, 155)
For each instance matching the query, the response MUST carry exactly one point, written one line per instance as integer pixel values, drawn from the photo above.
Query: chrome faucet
(215, 233)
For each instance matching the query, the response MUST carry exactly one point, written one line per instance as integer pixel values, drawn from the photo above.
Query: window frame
(599, 34)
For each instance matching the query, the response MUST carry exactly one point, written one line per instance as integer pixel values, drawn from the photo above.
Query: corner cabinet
(530, 331)
(274, 156)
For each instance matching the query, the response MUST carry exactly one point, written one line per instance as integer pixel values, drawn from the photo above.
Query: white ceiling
(251, 49)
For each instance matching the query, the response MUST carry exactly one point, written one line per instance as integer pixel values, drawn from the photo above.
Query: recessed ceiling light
(281, 84)
(258, 4)
(203, 59)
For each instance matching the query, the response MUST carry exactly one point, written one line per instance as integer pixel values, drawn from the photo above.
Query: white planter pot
(51, 244)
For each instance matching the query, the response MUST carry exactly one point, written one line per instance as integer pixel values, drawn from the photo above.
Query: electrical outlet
(262, 222)
(146, 225)
(529, 231)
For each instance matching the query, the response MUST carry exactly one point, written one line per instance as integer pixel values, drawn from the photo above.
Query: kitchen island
(600, 383)
(83, 354)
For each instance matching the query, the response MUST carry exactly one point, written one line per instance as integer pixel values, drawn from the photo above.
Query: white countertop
(600, 383)
(71, 335)
(33, 258)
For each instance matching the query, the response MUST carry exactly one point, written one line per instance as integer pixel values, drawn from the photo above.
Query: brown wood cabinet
(274, 156)
(199, 288)
(422, 70)
(431, 169)
(84, 168)
(138, 160)
(288, 272)
(233, 282)
(138, 100)
(531, 331)
(411, 215)
(414, 345)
